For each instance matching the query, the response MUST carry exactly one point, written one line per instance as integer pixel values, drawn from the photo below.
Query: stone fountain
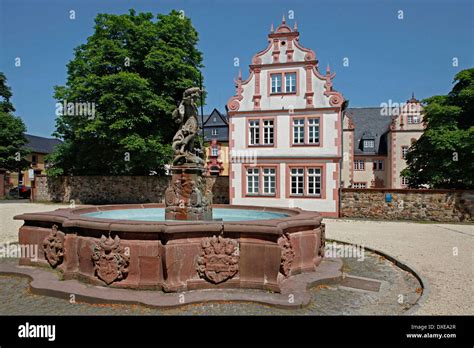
(178, 246)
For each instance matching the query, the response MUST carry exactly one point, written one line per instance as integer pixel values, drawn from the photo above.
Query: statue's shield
(107, 270)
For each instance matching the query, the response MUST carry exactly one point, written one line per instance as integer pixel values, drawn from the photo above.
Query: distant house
(216, 141)
(39, 147)
(375, 144)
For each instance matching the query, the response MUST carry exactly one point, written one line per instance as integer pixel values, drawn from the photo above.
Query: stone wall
(406, 204)
(409, 204)
(115, 189)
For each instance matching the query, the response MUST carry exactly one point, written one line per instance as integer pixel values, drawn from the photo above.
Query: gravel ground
(9, 227)
(442, 253)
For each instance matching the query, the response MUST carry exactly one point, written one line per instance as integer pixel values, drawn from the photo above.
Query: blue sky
(388, 57)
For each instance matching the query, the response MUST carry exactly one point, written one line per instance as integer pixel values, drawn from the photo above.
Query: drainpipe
(341, 159)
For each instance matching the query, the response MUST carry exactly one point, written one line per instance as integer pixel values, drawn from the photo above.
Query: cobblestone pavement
(441, 253)
(16, 299)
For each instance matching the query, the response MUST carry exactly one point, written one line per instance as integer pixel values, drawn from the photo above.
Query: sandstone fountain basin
(133, 246)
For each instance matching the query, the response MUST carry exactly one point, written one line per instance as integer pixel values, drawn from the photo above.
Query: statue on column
(188, 197)
(186, 146)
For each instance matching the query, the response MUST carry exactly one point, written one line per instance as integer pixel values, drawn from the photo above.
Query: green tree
(443, 157)
(12, 132)
(132, 72)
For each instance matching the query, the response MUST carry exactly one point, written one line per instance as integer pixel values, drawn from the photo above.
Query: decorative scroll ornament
(53, 247)
(218, 260)
(336, 100)
(287, 254)
(110, 260)
(234, 102)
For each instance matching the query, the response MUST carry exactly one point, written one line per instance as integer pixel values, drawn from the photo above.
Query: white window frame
(252, 177)
(367, 142)
(403, 181)
(254, 132)
(214, 131)
(297, 176)
(298, 131)
(359, 185)
(290, 82)
(413, 116)
(276, 82)
(269, 181)
(314, 175)
(359, 164)
(314, 130)
(214, 151)
(268, 132)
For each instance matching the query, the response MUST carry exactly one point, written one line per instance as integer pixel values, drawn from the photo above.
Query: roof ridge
(224, 119)
(39, 136)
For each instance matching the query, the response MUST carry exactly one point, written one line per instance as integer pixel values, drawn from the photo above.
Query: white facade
(285, 130)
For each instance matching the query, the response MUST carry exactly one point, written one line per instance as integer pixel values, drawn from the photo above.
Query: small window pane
(290, 82)
(298, 131)
(276, 83)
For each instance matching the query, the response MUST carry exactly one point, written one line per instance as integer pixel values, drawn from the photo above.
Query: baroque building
(285, 129)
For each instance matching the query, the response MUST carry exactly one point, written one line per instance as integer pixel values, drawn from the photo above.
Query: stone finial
(295, 27)
(283, 20)
(328, 70)
(413, 99)
(272, 29)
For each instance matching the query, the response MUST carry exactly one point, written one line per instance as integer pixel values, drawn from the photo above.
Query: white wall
(323, 205)
(283, 129)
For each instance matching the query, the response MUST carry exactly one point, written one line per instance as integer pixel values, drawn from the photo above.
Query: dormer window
(369, 144)
(368, 141)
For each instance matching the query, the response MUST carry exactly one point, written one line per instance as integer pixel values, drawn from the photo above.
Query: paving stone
(326, 299)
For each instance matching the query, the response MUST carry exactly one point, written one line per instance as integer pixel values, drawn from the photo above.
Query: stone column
(187, 196)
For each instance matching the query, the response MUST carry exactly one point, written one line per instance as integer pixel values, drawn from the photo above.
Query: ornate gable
(284, 53)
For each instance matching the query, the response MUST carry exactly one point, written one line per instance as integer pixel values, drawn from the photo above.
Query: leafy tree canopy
(129, 77)
(443, 157)
(12, 132)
